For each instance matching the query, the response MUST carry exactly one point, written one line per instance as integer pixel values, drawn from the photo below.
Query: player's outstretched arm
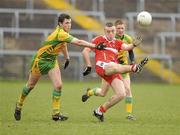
(84, 43)
(136, 42)
(86, 53)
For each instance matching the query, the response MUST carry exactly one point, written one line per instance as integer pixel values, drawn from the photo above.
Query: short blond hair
(119, 22)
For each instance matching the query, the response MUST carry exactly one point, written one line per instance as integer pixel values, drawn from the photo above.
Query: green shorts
(42, 66)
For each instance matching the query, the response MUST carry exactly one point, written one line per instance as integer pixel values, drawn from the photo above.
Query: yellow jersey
(54, 44)
(122, 55)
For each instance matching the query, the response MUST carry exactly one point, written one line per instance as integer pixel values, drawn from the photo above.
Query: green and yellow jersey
(54, 44)
(46, 57)
(122, 55)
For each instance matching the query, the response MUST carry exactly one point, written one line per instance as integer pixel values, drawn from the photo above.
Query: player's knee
(121, 95)
(30, 86)
(128, 91)
(58, 86)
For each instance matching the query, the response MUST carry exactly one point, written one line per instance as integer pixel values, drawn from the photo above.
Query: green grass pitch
(156, 107)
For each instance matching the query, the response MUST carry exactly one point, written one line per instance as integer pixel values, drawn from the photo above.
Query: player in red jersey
(108, 69)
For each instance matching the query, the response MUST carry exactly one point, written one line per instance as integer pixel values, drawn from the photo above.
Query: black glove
(87, 71)
(120, 61)
(66, 63)
(101, 46)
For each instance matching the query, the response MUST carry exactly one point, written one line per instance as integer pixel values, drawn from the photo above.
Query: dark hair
(109, 24)
(62, 17)
(118, 22)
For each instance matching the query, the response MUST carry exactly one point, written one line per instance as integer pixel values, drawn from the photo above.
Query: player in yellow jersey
(123, 59)
(45, 62)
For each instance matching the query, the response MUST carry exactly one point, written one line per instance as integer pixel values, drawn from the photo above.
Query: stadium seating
(23, 21)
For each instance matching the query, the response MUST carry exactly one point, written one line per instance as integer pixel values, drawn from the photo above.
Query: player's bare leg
(113, 68)
(33, 79)
(104, 89)
(96, 91)
(55, 76)
(119, 90)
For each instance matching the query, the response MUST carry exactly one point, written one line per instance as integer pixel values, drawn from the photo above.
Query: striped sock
(56, 102)
(129, 106)
(22, 97)
(102, 109)
(92, 92)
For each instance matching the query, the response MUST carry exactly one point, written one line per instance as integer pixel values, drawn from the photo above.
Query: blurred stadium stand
(25, 24)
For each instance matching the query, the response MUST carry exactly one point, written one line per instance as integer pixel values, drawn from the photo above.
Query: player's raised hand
(137, 41)
(101, 46)
(66, 63)
(87, 71)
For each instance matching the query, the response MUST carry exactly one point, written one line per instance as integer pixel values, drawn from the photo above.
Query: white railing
(24, 53)
(44, 32)
(163, 57)
(17, 12)
(97, 5)
(77, 73)
(162, 37)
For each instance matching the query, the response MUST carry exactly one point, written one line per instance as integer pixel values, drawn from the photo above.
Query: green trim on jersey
(47, 56)
(125, 38)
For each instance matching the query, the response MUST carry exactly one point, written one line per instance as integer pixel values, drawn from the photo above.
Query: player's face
(110, 32)
(120, 29)
(66, 25)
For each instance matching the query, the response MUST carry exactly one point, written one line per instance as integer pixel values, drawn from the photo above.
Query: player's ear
(60, 24)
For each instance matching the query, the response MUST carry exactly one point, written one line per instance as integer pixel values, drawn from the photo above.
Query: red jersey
(111, 50)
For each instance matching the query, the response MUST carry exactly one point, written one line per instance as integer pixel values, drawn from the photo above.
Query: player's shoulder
(98, 38)
(118, 41)
(61, 31)
(127, 35)
(128, 38)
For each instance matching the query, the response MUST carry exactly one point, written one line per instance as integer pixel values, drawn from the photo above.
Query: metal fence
(75, 71)
(44, 32)
(17, 12)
